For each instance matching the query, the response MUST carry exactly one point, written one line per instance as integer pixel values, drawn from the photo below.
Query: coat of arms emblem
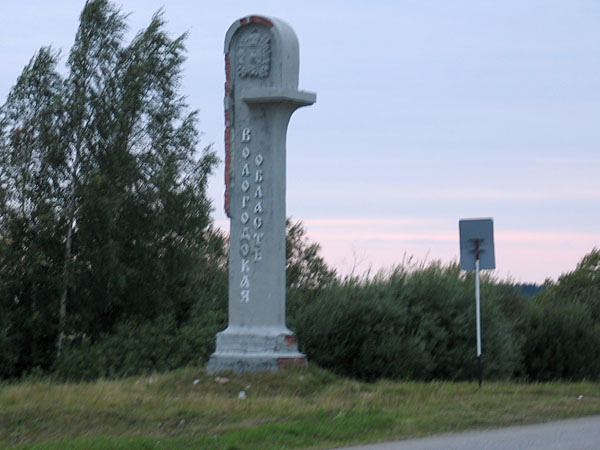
(254, 55)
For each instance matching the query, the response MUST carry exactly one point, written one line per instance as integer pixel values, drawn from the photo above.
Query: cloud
(434, 228)
(425, 229)
(371, 221)
(528, 256)
(546, 237)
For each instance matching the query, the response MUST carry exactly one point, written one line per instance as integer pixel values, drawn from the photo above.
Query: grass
(290, 409)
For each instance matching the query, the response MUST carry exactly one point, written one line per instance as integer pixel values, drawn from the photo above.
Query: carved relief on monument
(254, 54)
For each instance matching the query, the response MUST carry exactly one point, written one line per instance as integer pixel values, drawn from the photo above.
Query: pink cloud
(361, 245)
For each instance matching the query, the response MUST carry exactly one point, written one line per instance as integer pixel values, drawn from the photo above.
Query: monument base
(258, 351)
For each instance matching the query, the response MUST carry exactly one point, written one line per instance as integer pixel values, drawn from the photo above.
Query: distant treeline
(529, 290)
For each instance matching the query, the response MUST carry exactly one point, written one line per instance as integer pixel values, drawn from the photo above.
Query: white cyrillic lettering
(245, 233)
(246, 170)
(258, 209)
(258, 222)
(245, 200)
(245, 265)
(246, 135)
(244, 249)
(245, 283)
(259, 176)
(258, 237)
(245, 185)
(245, 152)
(258, 160)
(258, 193)
(245, 296)
(245, 217)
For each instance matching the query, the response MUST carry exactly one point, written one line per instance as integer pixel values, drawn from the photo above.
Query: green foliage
(409, 324)
(28, 219)
(353, 330)
(104, 214)
(560, 329)
(141, 347)
(581, 286)
(560, 342)
(305, 268)
(306, 272)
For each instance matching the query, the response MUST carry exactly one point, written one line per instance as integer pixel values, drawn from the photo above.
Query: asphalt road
(575, 434)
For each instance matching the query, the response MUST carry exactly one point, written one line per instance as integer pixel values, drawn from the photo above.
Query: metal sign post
(477, 253)
(478, 310)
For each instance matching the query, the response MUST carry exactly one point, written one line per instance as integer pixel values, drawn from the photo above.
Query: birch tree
(101, 165)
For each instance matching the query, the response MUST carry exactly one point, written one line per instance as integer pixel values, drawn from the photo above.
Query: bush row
(136, 348)
(420, 324)
(411, 325)
(404, 324)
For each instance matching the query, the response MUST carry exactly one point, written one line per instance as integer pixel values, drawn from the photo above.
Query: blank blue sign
(476, 234)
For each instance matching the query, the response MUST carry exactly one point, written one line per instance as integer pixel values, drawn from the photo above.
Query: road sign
(477, 253)
(477, 240)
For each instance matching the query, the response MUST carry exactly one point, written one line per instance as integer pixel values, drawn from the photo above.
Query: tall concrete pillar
(261, 93)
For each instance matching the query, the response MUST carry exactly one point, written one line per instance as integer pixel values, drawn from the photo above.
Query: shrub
(136, 348)
(581, 286)
(409, 324)
(440, 302)
(306, 273)
(559, 342)
(355, 331)
(560, 328)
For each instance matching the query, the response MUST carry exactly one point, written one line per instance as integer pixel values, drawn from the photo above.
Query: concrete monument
(261, 93)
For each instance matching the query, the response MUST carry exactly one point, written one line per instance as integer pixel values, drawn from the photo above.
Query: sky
(427, 112)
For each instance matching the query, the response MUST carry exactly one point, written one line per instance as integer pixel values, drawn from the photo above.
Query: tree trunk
(62, 314)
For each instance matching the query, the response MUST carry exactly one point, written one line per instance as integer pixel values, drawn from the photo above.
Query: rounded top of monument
(281, 29)
(261, 51)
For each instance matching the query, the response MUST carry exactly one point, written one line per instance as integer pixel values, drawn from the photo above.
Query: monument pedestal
(255, 350)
